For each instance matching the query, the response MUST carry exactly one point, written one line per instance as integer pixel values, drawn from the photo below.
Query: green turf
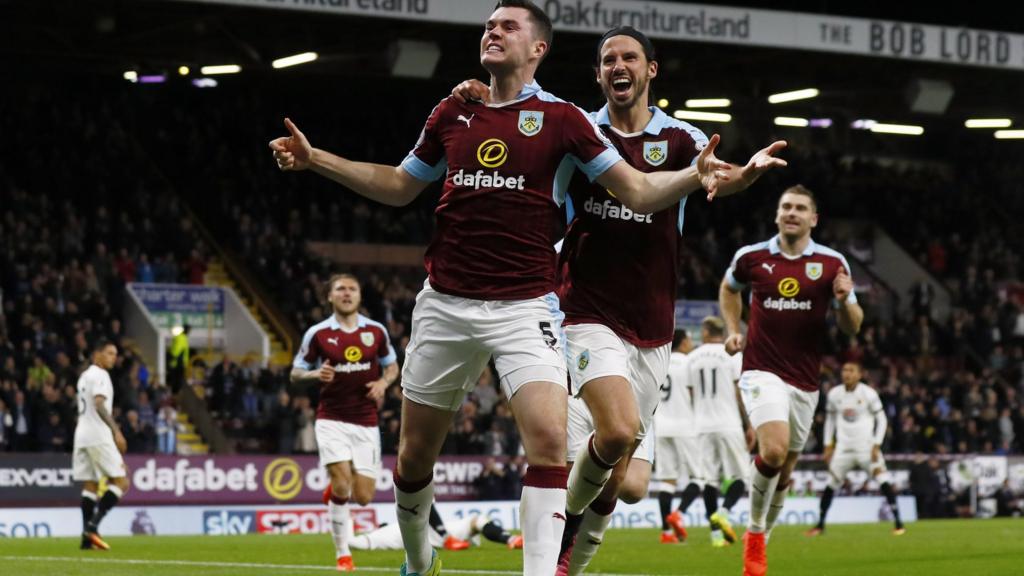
(934, 547)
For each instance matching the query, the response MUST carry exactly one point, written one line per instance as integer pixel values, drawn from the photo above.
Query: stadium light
(698, 115)
(663, 103)
(794, 95)
(708, 103)
(862, 124)
(131, 76)
(905, 129)
(820, 122)
(789, 121)
(221, 69)
(988, 123)
(1009, 134)
(204, 82)
(294, 60)
(152, 79)
(183, 70)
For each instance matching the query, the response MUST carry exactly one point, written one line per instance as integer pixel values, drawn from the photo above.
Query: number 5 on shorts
(549, 336)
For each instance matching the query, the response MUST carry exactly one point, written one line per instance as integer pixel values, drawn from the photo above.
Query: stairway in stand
(217, 275)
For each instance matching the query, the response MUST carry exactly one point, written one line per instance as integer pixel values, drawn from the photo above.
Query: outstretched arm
(650, 192)
(390, 185)
(654, 191)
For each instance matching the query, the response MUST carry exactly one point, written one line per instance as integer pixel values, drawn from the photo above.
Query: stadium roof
(107, 37)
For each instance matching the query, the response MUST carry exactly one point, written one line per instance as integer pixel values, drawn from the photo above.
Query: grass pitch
(931, 547)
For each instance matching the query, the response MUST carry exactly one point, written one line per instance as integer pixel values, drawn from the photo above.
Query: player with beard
(352, 358)
(618, 272)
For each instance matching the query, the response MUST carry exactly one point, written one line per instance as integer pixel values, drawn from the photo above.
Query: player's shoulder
(548, 102)
(828, 252)
(712, 349)
(681, 130)
(92, 374)
(867, 390)
(753, 250)
(676, 359)
(366, 322)
(325, 324)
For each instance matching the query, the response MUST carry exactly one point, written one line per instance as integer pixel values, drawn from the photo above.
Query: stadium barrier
(314, 519)
(44, 479)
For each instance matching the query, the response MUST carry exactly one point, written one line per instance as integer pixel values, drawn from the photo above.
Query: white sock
(413, 510)
(542, 512)
(589, 539)
(587, 478)
(340, 521)
(762, 488)
(778, 501)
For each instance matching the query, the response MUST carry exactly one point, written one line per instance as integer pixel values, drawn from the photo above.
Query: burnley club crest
(530, 122)
(655, 153)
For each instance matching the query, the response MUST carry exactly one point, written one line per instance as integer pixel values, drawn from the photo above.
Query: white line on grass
(199, 564)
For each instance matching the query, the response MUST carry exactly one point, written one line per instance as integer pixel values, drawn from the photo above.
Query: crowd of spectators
(75, 227)
(950, 382)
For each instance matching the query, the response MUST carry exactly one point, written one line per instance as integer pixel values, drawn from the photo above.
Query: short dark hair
(101, 344)
(649, 52)
(678, 336)
(541, 21)
(801, 190)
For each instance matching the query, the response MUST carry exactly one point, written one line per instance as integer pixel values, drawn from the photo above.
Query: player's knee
(362, 495)
(617, 440)
(341, 487)
(774, 454)
(123, 484)
(546, 448)
(632, 492)
(411, 463)
(411, 468)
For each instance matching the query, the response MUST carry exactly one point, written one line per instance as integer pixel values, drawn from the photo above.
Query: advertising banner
(710, 23)
(45, 479)
(219, 520)
(171, 305)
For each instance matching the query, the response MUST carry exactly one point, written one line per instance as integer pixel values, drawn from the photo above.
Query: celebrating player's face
(795, 216)
(509, 40)
(851, 374)
(625, 72)
(345, 296)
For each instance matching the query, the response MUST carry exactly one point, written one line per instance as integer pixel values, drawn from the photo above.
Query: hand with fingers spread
(740, 178)
(712, 171)
(292, 152)
(472, 91)
(842, 286)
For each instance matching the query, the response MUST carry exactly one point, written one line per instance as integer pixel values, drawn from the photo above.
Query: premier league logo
(530, 122)
(813, 270)
(655, 153)
(367, 339)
